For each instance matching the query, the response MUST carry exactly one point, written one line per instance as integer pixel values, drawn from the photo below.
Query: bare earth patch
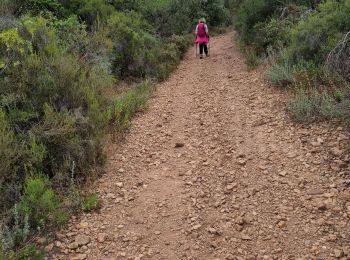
(215, 169)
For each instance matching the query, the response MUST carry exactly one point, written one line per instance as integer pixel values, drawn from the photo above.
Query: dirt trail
(247, 184)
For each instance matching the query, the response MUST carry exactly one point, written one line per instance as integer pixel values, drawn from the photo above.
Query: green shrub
(129, 103)
(168, 56)
(315, 105)
(35, 7)
(251, 57)
(39, 201)
(95, 12)
(29, 252)
(250, 13)
(313, 38)
(10, 153)
(71, 34)
(91, 202)
(133, 45)
(181, 42)
(15, 232)
(280, 74)
(13, 48)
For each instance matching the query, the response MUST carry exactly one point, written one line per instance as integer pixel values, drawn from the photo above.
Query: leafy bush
(181, 42)
(10, 151)
(35, 7)
(39, 201)
(92, 202)
(313, 38)
(250, 13)
(132, 44)
(95, 12)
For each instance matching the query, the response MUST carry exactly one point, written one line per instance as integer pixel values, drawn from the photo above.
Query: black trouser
(201, 47)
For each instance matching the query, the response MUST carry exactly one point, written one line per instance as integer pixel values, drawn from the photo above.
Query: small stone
(239, 228)
(82, 240)
(120, 184)
(240, 221)
(79, 257)
(282, 173)
(336, 152)
(121, 170)
(320, 140)
(110, 196)
(231, 186)
(242, 162)
(246, 237)
(102, 237)
(138, 257)
(41, 240)
(212, 230)
(84, 225)
(73, 245)
(316, 144)
(262, 167)
(281, 224)
(58, 244)
(49, 248)
(198, 226)
(322, 206)
(338, 253)
(157, 233)
(179, 145)
(315, 191)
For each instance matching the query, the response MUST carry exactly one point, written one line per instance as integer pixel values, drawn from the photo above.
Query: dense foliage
(308, 44)
(60, 64)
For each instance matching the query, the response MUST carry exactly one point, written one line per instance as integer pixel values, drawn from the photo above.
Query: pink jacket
(203, 39)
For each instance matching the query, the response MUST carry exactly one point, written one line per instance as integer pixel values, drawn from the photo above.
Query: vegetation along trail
(215, 169)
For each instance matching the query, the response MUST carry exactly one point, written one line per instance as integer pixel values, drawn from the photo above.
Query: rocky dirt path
(214, 170)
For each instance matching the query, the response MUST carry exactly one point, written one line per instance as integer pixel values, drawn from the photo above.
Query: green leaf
(2, 64)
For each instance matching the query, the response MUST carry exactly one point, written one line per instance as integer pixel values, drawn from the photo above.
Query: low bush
(252, 59)
(91, 202)
(39, 202)
(27, 252)
(15, 232)
(312, 106)
(11, 153)
(129, 103)
(280, 74)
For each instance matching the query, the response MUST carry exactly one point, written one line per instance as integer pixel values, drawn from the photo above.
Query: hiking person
(202, 37)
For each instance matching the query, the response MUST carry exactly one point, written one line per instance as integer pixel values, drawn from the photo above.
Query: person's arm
(196, 31)
(206, 30)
